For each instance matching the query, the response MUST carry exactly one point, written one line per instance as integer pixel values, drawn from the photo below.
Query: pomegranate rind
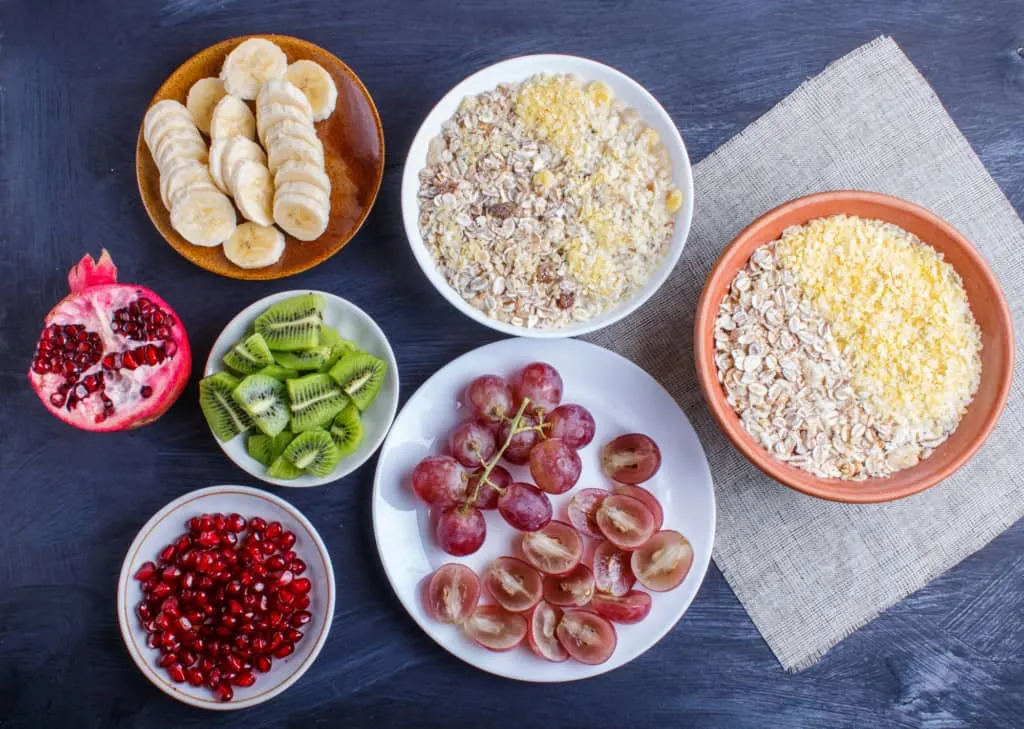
(88, 273)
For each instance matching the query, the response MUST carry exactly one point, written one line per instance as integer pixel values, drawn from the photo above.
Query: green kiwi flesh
(360, 376)
(315, 400)
(304, 359)
(262, 397)
(347, 430)
(278, 372)
(313, 451)
(292, 324)
(224, 416)
(260, 447)
(250, 355)
(282, 468)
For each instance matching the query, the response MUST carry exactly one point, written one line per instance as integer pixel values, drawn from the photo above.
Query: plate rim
(257, 274)
(376, 499)
(391, 361)
(426, 263)
(124, 576)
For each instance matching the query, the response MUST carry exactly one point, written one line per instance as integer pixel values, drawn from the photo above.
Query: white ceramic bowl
(623, 399)
(354, 324)
(170, 522)
(519, 69)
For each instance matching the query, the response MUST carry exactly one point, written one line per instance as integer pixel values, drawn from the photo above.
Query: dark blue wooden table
(75, 79)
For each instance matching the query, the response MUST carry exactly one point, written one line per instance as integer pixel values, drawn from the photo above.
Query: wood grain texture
(75, 78)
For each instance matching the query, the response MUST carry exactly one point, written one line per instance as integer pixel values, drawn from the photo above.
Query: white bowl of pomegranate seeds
(225, 598)
(582, 547)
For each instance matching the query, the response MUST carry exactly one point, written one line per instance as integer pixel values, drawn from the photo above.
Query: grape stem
(489, 466)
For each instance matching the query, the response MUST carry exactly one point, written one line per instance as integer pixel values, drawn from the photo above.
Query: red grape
(541, 383)
(541, 636)
(495, 628)
(472, 444)
(575, 589)
(649, 500)
(612, 571)
(490, 399)
(554, 550)
(525, 507)
(497, 481)
(630, 608)
(631, 458)
(555, 467)
(452, 593)
(518, 451)
(439, 480)
(573, 424)
(663, 562)
(625, 521)
(583, 511)
(587, 636)
(461, 530)
(513, 584)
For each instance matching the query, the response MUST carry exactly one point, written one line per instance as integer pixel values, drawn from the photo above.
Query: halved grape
(495, 628)
(518, 451)
(513, 584)
(541, 635)
(612, 572)
(541, 383)
(587, 636)
(497, 481)
(525, 507)
(630, 608)
(490, 399)
(460, 530)
(571, 423)
(555, 466)
(439, 480)
(631, 458)
(649, 500)
(583, 508)
(575, 589)
(554, 550)
(472, 444)
(625, 521)
(452, 593)
(663, 562)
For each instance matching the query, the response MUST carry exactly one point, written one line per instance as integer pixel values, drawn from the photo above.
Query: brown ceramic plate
(987, 303)
(353, 140)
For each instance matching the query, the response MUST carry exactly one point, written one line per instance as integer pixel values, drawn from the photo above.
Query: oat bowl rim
(988, 304)
(517, 69)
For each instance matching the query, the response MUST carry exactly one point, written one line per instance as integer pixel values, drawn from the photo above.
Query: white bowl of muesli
(547, 196)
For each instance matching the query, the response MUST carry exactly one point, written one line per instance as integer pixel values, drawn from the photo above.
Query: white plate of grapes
(543, 509)
(300, 388)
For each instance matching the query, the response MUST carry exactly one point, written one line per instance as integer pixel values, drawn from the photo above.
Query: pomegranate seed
(245, 678)
(297, 566)
(170, 574)
(301, 586)
(193, 524)
(153, 640)
(241, 643)
(276, 639)
(146, 391)
(128, 361)
(147, 570)
(257, 524)
(171, 607)
(205, 561)
(302, 603)
(231, 663)
(300, 618)
(213, 678)
(274, 619)
(162, 621)
(187, 658)
(286, 541)
(224, 692)
(183, 543)
(183, 624)
(228, 539)
(205, 583)
(167, 660)
(246, 628)
(213, 649)
(167, 554)
(194, 676)
(273, 530)
(206, 665)
(263, 663)
(285, 578)
(188, 559)
(246, 579)
(205, 523)
(161, 590)
(144, 611)
(188, 580)
(220, 522)
(258, 644)
(275, 563)
(292, 635)
(207, 538)
(236, 522)
(285, 650)
(176, 672)
(259, 570)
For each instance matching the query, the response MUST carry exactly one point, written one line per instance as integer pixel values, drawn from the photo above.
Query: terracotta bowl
(987, 303)
(353, 140)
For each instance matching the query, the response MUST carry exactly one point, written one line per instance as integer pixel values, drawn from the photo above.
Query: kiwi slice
(292, 324)
(282, 468)
(281, 441)
(360, 376)
(249, 356)
(263, 398)
(315, 400)
(304, 359)
(313, 451)
(329, 336)
(222, 413)
(278, 372)
(347, 430)
(261, 448)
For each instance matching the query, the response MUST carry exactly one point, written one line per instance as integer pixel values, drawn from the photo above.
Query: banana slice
(217, 148)
(254, 246)
(284, 92)
(201, 100)
(253, 188)
(300, 216)
(175, 150)
(306, 190)
(239, 150)
(304, 172)
(250, 64)
(318, 86)
(176, 198)
(293, 148)
(232, 118)
(176, 136)
(291, 128)
(180, 177)
(203, 215)
(161, 110)
(269, 115)
(168, 125)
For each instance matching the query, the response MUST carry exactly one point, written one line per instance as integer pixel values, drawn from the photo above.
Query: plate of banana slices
(260, 157)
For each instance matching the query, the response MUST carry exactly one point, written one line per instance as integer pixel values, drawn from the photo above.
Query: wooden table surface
(75, 79)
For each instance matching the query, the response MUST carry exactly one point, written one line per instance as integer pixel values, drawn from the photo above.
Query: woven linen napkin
(810, 572)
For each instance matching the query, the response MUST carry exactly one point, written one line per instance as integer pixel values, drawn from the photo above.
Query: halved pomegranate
(111, 356)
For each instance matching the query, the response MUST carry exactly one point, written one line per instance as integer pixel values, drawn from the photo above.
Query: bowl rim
(124, 613)
(684, 218)
(210, 367)
(256, 274)
(823, 488)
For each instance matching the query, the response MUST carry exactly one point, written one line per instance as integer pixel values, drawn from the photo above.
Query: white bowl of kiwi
(300, 388)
